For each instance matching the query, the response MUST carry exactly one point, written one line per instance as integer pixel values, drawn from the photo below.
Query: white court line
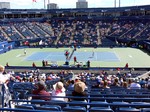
(117, 55)
(110, 60)
(47, 56)
(18, 55)
(130, 56)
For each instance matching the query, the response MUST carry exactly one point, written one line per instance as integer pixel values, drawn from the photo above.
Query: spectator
(71, 85)
(3, 80)
(116, 82)
(40, 91)
(79, 90)
(135, 84)
(3, 77)
(59, 90)
(105, 85)
(125, 85)
(142, 83)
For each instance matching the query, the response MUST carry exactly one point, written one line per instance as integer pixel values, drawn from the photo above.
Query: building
(82, 4)
(52, 6)
(4, 5)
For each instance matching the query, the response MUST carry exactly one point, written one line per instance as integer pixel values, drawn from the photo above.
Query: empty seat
(145, 110)
(128, 110)
(49, 107)
(74, 109)
(25, 106)
(100, 109)
(101, 104)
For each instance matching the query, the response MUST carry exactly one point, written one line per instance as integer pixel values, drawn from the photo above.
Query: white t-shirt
(135, 86)
(4, 78)
(63, 94)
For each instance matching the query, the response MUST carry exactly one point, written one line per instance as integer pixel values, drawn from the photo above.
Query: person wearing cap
(79, 90)
(40, 91)
(59, 90)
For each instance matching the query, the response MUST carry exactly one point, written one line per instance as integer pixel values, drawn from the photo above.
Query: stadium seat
(100, 109)
(103, 104)
(77, 103)
(49, 107)
(20, 110)
(74, 109)
(60, 103)
(128, 110)
(145, 110)
(25, 106)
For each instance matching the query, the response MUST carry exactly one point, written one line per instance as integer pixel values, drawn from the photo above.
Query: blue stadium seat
(128, 110)
(100, 109)
(25, 106)
(49, 107)
(74, 109)
(145, 110)
(103, 103)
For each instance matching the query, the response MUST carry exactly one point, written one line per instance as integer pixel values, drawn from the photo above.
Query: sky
(28, 4)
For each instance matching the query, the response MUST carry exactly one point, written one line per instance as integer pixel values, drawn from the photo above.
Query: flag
(33, 0)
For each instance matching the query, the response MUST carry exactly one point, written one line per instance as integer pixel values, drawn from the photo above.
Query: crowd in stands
(58, 86)
(70, 32)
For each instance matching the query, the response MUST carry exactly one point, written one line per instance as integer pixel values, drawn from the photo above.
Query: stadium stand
(104, 90)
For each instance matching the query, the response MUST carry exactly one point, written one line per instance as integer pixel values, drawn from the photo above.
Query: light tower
(81, 4)
(115, 3)
(44, 4)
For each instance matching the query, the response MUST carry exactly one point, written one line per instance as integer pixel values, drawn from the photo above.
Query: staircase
(35, 35)
(59, 36)
(85, 38)
(72, 36)
(126, 33)
(41, 28)
(60, 33)
(99, 36)
(23, 37)
(140, 31)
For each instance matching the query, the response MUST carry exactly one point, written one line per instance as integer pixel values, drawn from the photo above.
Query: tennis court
(81, 56)
(99, 57)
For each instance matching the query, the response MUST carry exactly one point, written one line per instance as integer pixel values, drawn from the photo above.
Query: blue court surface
(81, 56)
